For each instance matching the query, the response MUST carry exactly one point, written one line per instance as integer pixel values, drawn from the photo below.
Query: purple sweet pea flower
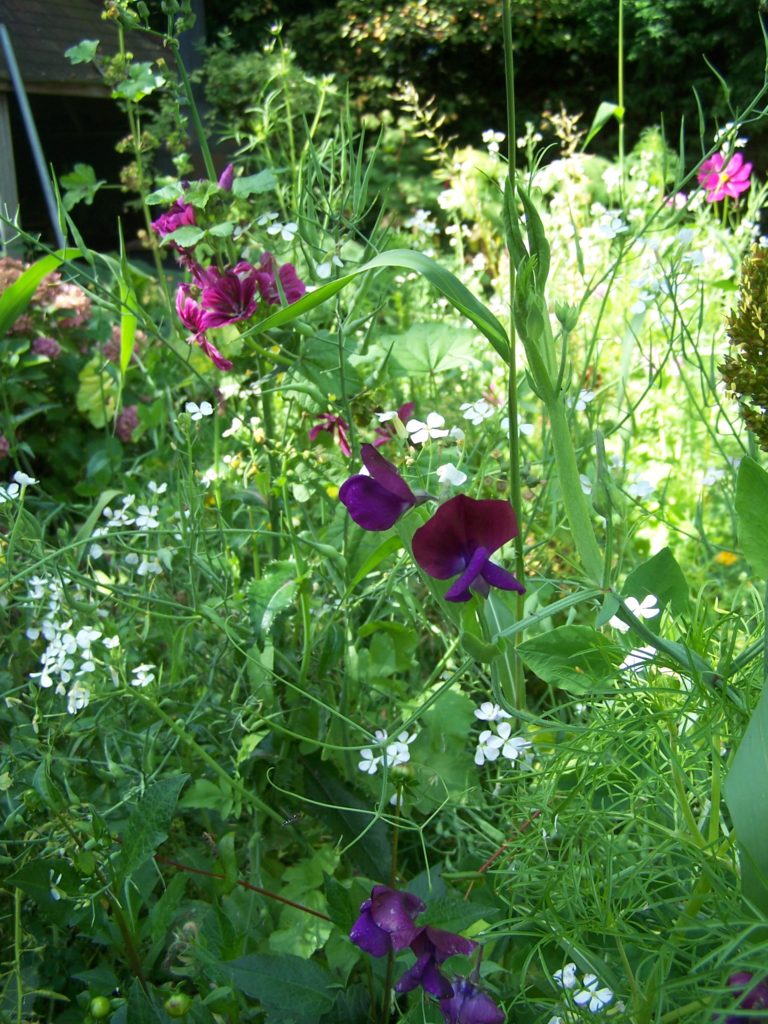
(386, 921)
(755, 997)
(377, 501)
(230, 297)
(468, 1005)
(179, 215)
(332, 424)
(226, 178)
(460, 538)
(433, 946)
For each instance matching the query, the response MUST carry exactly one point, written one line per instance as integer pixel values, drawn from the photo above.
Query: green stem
(17, 950)
(621, 91)
(515, 484)
(202, 138)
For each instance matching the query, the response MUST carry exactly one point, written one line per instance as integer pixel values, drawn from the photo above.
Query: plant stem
(515, 487)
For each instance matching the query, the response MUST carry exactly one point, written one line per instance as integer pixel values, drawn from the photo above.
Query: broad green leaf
(17, 297)
(746, 793)
(83, 53)
(148, 824)
(752, 512)
(443, 280)
(662, 576)
(431, 348)
(270, 595)
(166, 194)
(287, 987)
(577, 659)
(254, 184)
(186, 236)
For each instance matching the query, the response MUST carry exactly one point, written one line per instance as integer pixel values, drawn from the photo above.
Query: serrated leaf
(83, 53)
(166, 194)
(287, 987)
(430, 348)
(270, 596)
(140, 81)
(254, 184)
(81, 185)
(576, 659)
(752, 512)
(185, 236)
(148, 824)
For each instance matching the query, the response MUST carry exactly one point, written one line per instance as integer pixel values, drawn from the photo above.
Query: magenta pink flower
(49, 347)
(292, 285)
(192, 316)
(179, 215)
(721, 179)
(334, 425)
(226, 178)
(229, 298)
(458, 541)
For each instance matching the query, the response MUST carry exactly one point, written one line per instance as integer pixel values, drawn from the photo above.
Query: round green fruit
(100, 1007)
(177, 1005)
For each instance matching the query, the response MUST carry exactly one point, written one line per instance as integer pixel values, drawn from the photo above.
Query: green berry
(100, 1007)
(177, 1005)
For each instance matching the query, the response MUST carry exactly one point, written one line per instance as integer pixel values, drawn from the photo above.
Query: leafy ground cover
(383, 595)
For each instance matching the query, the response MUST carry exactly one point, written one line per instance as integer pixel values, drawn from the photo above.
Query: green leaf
(431, 348)
(287, 987)
(603, 115)
(662, 576)
(185, 236)
(148, 824)
(254, 184)
(373, 561)
(141, 81)
(166, 194)
(752, 512)
(270, 596)
(746, 793)
(17, 297)
(443, 280)
(576, 659)
(83, 53)
(80, 185)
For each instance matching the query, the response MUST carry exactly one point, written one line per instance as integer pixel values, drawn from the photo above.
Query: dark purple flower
(192, 316)
(386, 430)
(48, 347)
(468, 1005)
(292, 285)
(432, 947)
(386, 921)
(377, 501)
(332, 424)
(230, 297)
(754, 997)
(226, 178)
(460, 538)
(179, 215)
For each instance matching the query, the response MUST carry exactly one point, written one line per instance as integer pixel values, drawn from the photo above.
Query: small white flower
(111, 642)
(423, 431)
(514, 746)
(566, 977)
(640, 488)
(711, 476)
(157, 488)
(645, 609)
(638, 659)
(477, 412)
(149, 567)
(449, 474)
(586, 483)
(611, 226)
(77, 699)
(397, 753)
(86, 636)
(582, 400)
(488, 746)
(56, 893)
(197, 412)
(9, 493)
(592, 996)
(145, 517)
(286, 231)
(23, 480)
(368, 762)
(95, 551)
(489, 712)
(143, 675)
(267, 218)
(526, 429)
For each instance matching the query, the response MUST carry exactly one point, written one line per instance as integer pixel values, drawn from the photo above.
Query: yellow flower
(726, 558)
(332, 491)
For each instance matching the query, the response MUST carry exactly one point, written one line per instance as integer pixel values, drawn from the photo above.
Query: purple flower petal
(371, 506)
(393, 911)
(501, 578)
(444, 545)
(367, 935)
(469, 1005)
(384, 473)
(459, 591)
(226, 178)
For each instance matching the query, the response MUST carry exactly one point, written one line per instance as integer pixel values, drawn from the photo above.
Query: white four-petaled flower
(197, 412)
(592, 996)
(420, 431)
(449, 474)
(645, 609)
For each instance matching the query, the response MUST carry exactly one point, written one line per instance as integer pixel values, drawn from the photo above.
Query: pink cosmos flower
(721, 179)
(332, 424)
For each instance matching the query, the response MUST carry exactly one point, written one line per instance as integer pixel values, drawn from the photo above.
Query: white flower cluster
(589, 994)
(477, 412)
(396, 752)
(499, 743)
(19, 482)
